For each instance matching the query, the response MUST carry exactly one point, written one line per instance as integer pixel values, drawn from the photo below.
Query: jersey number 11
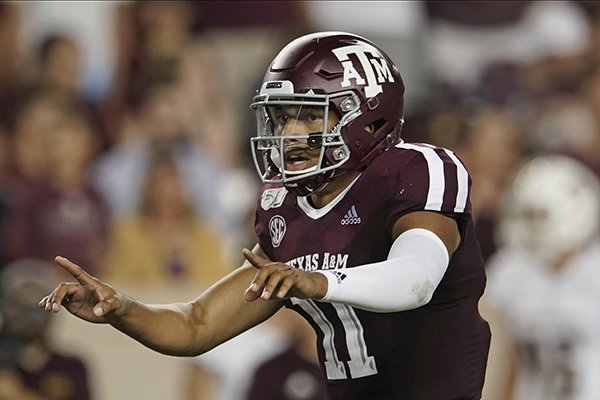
(360, 363)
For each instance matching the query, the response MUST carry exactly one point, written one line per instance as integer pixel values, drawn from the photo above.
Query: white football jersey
(554, 318)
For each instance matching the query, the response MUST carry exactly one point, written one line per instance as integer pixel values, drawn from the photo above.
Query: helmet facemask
(299, 144)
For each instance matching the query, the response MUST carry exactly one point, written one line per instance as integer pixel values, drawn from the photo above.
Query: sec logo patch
(277, 229)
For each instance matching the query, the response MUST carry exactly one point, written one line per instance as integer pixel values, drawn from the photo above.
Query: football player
(545, 282)
(369, 238)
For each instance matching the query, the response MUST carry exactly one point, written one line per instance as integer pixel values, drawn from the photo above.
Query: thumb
(106, 307)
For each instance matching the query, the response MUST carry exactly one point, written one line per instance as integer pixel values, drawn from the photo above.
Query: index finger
(253, 258)
(75, 270)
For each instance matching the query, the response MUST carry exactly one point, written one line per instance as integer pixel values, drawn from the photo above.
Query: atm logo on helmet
(376, 68)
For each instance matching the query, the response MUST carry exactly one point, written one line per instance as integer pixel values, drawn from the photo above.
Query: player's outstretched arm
(183, 329)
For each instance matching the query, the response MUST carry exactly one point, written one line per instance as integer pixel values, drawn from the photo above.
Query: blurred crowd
(124, 132)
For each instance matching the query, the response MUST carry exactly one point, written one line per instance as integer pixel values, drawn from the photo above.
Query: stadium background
(498, 82)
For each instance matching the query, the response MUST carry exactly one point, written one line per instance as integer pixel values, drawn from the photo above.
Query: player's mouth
(300, 159)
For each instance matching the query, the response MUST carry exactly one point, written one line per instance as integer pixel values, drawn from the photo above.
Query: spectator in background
(76, 46)
(206, 111)
(9, 22)
(25, 143)
(10, 60)
(158, 126)
(210, 119)
(164, 241)
(38, 112)
(59, 62)
(567, 125)
(544, 281)
(30, 369)
(162, 32)
(59, 69)
(492, 150)
(52, 204)
(170, 40)
(93, 26)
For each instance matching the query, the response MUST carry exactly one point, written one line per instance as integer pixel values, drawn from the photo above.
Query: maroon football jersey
(438, 351)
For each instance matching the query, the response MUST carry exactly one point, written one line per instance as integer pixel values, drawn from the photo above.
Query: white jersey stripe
(463, 183)
(435, 166)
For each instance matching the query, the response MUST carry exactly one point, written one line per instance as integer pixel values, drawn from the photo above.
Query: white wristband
(415, 266)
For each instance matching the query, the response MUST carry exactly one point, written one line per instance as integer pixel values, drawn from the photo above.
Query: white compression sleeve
(415, 266)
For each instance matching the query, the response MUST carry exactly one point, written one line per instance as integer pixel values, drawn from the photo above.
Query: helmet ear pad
(366, 137)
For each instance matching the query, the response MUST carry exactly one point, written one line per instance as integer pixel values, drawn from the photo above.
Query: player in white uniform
(545, 279)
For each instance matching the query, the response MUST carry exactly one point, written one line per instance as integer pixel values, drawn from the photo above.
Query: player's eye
(312, 117)
(281, 118)
(309, 115)
(278, 115)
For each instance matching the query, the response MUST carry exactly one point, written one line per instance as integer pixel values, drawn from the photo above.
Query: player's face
(303, 127)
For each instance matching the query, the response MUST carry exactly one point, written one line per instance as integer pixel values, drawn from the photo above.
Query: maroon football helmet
(330, 71)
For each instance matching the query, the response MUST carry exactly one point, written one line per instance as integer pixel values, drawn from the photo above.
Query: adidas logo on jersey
(351, 217)
(339, 276)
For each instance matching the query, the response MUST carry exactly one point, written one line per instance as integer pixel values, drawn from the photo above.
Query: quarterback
(367, 237)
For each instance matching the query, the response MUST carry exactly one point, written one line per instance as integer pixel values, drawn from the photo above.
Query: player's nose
(296, 128)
